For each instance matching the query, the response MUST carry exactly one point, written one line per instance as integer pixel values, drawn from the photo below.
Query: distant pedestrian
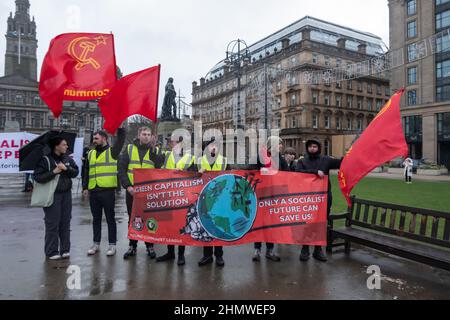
(408, 164)
(291, 158)
(59, 214)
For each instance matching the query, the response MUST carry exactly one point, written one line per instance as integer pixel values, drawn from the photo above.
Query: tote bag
(43, 193)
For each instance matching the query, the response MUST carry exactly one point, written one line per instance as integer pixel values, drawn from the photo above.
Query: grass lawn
(428, 195)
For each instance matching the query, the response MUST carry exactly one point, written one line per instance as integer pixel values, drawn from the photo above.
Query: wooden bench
(417, 234)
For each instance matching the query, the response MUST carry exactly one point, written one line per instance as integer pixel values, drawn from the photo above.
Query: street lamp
(237, 58)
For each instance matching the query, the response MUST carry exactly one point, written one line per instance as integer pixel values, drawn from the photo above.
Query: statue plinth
(166, 128)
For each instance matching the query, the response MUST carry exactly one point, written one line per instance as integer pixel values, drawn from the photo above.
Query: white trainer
(93, 250)
(111, 251)
(66, 255)
(55, 257)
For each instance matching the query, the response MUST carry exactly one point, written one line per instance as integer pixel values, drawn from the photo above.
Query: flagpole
(20, 51)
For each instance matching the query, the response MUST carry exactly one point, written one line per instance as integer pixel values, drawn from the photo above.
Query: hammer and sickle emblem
(81, 48)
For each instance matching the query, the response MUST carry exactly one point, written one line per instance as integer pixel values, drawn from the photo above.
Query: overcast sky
(187, 37)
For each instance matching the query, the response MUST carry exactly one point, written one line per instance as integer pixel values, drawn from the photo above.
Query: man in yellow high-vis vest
(100, 183)
(212, 160)
(177, 159)
(141, 154)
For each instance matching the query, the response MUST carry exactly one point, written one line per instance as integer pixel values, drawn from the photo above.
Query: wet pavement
(24, 273)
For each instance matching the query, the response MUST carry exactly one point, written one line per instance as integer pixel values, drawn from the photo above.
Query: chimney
(362, 48)
(202, 81)
(341, 43)
(306, 34)
(285, 43)
(194, 84)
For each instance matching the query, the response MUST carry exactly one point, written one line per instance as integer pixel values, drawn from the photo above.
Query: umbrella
(30, 154)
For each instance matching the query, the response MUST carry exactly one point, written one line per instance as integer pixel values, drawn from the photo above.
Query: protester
(408, 164)
(290, 156)
(177, 159)
(213, 160)
(272, 162)
(315, 163)
(100, 184)
(139, 155)
(58, 215)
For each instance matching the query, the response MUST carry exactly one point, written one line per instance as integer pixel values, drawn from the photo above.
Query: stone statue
(169, 108)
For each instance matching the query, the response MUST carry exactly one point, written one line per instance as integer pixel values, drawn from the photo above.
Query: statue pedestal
(165, 130)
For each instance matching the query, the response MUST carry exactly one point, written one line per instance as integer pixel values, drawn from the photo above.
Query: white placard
(10, 143)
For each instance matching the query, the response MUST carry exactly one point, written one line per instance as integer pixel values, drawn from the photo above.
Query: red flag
(77, 66)
(382, 141)
(134, 94)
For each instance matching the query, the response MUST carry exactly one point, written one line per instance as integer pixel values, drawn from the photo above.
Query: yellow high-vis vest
(183, 164)
(102, 170)
(219, 165)
(135, 161)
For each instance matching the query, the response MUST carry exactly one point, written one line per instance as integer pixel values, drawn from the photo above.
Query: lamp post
(237, 58)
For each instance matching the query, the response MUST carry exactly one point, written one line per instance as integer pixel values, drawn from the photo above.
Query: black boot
(304, 255)
(166, 257)
(151, 253)
(130, 253)
(319, 255)
(181, 261)
(220, 262)
(205, 261)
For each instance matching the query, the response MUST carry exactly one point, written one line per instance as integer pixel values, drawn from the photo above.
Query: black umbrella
(30, 154)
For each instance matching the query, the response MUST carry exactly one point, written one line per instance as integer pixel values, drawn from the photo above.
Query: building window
(327, 60)
(327, 122)
(360, 124)
(349, 85)
(315, 121)
(19, 99)
(412, 125)
(360, 103)
(412, 29)
(412, 75)
(443, 69)
(349, 123)
(443, 93)
(349, 101)
(315, 97)
(369, 104)
(327, 99)
(443, 123)
(338, 123)
(37, 120)
(442, 43)
(279, 85)
(412, 7)
(294, 122)
(338, 63)
(379, 104)
(293, 100)
(279, 103)
(326, 145)
(360, 86)
(315, 58)
(2, 98)
(412, 52)
(37, 101)
(378, 89)
(338, 85)
(338, 101)
(443, 19)
(369, 88)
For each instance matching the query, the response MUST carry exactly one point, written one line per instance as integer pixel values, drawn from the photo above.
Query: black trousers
(129, 202)
(103, 201)
(171, 250)
(210, 251)
(57, 224)
(329, 203)
(408, 178)
(269, 246)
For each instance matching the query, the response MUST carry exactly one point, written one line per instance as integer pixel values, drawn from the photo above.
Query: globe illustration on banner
(227, 207)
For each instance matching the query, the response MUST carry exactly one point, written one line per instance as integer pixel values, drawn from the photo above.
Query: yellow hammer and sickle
(386, 108)
(87, 46)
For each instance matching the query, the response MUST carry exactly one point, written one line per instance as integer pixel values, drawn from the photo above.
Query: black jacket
(313, 163)
(283, 165)
(124, 160)
(43, 175)
(115, 153)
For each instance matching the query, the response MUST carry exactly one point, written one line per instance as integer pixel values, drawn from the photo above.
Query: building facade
(299, 110)
(426, 104)
(19, 93)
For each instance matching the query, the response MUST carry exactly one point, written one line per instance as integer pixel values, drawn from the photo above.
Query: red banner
(228, 208)
(77, 66)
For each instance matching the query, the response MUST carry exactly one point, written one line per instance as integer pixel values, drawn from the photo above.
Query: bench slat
(447, 230)
(358, 212)
(366, 213)
(423, 225)
(392, 219)
(383, 216)
(401, 226)
(374, 215)
(412, 225)
(435, 227)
